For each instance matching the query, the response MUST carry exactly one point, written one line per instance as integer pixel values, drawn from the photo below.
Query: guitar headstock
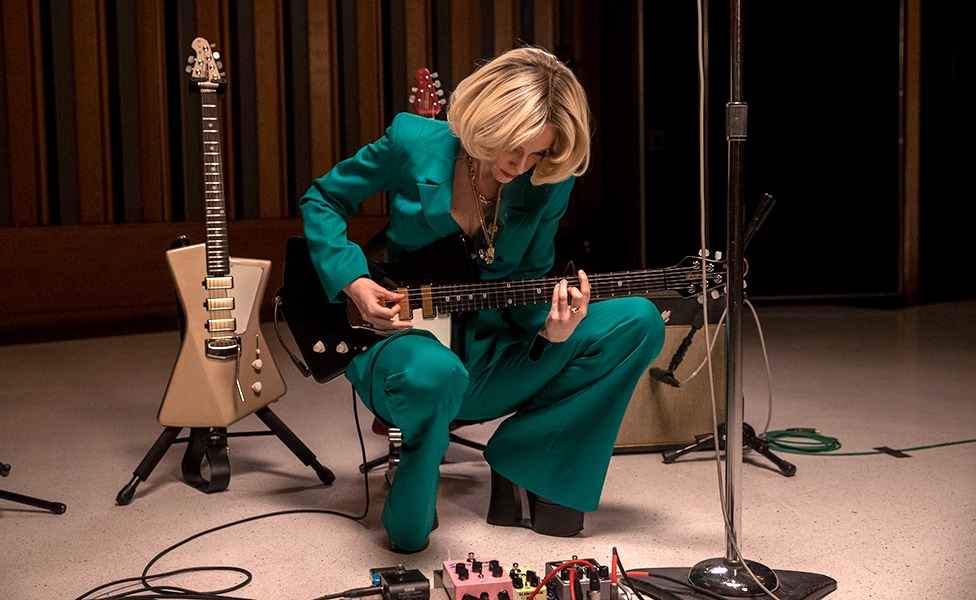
(685, 278)
(427, 97)
(204, 65)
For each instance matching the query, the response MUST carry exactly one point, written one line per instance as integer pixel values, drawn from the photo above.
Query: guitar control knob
(256, 387)
(257, 364)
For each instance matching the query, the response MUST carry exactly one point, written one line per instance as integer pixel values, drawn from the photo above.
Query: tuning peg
(220, 65)
(718, 255)
(714, 294)
(191, 59)
(216, 54)
(189, 68)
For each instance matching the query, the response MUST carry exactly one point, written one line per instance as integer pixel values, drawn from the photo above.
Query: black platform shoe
(546, 518)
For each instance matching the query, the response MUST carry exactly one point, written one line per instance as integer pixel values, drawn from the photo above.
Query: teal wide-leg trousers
(565, 408)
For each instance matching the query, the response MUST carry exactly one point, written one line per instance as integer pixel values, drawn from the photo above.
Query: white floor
(77, 417)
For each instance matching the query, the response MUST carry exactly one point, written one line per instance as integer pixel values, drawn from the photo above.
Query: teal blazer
(414, 162)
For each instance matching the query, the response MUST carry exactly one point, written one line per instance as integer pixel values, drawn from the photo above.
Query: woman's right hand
(377, 305)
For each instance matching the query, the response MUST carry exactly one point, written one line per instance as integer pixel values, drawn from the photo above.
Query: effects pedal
(477, 579)
(580, 579)
(525, 581)
(398, 583)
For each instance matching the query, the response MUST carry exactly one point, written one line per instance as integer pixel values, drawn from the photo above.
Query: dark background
(824, 87)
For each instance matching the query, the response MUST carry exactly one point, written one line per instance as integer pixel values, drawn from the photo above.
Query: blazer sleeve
(335, 197)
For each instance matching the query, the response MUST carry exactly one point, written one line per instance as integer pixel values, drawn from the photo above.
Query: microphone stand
(731, 575)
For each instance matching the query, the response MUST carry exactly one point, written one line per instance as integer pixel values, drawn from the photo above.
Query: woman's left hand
(569, 305)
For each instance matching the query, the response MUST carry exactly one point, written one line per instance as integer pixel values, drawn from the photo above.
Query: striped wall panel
(101, 135)
(102, 127)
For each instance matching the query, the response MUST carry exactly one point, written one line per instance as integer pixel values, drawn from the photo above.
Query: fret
(685, 280)
(218, 259)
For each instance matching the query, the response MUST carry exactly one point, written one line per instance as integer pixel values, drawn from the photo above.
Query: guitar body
(328, 334)
(209, 391)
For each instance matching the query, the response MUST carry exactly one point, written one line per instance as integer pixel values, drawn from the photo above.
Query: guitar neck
(218, 258)
(443, 299)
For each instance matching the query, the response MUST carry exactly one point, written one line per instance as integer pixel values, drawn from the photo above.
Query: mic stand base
(730, 578)
(792, 585)
(749, 438)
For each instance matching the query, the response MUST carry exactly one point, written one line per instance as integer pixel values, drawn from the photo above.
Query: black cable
(354, 593)
(148, 590)
(623, 572)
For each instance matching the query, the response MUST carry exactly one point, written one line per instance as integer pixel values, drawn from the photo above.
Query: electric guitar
(224, 370)
(441, 280)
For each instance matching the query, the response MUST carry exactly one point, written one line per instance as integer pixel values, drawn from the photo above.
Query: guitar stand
(54, 507)
(210, 444)
(749, 439)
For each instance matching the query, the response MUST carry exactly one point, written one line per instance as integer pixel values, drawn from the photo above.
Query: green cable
(806, 441)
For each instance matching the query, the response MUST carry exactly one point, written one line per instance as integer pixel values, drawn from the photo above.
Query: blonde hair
(511, 99)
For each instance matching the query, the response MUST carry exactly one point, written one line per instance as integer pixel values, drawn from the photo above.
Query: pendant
(487, 256)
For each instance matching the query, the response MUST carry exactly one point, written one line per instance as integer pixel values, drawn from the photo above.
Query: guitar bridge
(223, 348)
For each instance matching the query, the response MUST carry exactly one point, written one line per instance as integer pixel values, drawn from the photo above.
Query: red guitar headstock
(427, 98)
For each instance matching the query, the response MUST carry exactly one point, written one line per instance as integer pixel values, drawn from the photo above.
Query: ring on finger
(574, 309)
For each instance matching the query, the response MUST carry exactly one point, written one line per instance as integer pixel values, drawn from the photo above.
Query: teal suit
(566, 400)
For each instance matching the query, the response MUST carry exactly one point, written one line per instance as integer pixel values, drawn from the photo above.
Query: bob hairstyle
(511, 99)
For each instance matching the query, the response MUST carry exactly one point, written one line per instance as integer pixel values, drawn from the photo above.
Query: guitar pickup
(218, 283)
(221, 325)
(219, 303)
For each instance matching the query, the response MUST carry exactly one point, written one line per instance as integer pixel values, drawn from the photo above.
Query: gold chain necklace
(474, 185)
(489, 231)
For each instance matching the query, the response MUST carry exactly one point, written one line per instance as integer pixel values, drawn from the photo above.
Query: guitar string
(218, 261)
(486, 293)
(619, 280)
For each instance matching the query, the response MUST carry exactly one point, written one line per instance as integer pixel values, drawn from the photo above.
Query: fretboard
(442, 299)
(218, 258)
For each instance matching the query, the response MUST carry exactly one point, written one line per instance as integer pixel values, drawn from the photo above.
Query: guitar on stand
(223, 357)
(224, 370)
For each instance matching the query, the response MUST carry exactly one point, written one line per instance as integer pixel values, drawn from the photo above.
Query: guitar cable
(302, 368)
(142, 586)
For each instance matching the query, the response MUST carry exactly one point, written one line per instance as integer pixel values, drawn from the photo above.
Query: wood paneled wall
(100, 136)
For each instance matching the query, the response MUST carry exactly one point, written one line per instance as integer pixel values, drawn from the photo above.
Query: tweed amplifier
(662, 416)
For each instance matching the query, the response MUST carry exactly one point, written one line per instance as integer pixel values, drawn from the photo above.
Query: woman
(500, 170)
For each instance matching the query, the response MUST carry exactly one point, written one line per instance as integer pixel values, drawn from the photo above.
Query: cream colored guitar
(224, 370)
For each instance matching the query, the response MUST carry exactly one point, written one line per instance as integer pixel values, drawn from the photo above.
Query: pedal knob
(256, 387)
(257, 364)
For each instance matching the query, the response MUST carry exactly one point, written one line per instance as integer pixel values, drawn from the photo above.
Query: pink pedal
(470, 579)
